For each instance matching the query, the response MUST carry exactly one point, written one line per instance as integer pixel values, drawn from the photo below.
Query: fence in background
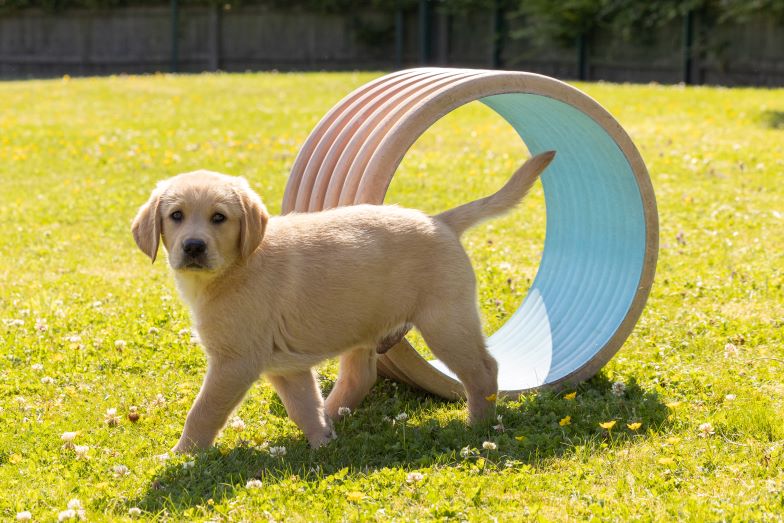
(36, 43)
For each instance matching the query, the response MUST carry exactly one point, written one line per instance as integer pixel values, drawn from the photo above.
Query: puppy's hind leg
(454, 335)
(300, 394)
(356, 377)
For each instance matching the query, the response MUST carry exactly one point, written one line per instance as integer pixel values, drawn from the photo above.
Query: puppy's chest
(228, 322)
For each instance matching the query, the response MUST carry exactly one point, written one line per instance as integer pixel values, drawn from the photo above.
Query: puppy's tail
(467, 215)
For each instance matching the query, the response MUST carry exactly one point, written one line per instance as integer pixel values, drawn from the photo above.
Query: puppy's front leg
(302, 398)
(225, 384)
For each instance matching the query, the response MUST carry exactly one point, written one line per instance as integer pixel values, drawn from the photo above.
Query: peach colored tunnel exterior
(602, 222)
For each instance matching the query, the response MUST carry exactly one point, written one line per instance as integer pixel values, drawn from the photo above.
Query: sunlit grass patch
(99, 365)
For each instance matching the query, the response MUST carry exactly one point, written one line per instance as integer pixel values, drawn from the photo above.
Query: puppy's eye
(176, 216)
(218, 218)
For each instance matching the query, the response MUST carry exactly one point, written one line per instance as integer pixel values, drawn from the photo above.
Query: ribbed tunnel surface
(602, 228)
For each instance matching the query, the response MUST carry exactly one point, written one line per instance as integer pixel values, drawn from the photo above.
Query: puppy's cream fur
(275, 296)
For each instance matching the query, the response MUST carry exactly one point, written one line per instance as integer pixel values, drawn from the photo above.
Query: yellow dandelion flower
(491, 397)
(634, 426)
(672, 404)
(666, 461)
(566, 421)
(607, 425)
(570, 396)
(520, 438)
(355, 496)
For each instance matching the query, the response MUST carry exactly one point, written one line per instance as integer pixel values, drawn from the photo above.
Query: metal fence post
(399, 20)
(582, 57)
(175, 22)
(688, 45)
(215, 38)
(499, 35)
(425, 32)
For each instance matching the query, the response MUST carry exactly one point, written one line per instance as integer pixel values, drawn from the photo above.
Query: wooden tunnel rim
(380, 161)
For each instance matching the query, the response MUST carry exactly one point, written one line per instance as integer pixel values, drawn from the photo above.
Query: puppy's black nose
(194, 247)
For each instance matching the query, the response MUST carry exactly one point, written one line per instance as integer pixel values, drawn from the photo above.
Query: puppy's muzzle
(195, 253)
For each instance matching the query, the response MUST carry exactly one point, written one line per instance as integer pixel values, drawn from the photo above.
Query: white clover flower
(74, 504)
(134, 512)
(277, 452)
(505, 266)
(153, 330)
(160, 399)
(111, 418)
(237, 424)
(344, 411)
(120, 344)
(489, 445)
(24, 516)
(254, 483)
(120, 470)
(188, 465)
(706, 429)
(466, 452)
(68, 437)
(81, 451)
(37, 367)
(618, 389)
(402, 417)
(65, 515)
(40, 325)
(14, 323)
(162, 457)
(47, 380)
(730, 350)
(74, 338)
(414, 477)
(730, 397)
(184, 332)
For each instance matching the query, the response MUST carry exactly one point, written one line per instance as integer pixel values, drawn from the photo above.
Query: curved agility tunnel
(601, 245)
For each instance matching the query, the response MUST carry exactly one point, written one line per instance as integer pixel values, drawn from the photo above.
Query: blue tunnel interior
(594, 249)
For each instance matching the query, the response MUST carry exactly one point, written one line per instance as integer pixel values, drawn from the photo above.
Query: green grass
(78, 157)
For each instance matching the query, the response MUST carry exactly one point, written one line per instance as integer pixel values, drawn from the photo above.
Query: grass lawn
(87, 324)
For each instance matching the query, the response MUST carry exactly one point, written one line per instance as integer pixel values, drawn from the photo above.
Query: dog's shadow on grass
(538, 426)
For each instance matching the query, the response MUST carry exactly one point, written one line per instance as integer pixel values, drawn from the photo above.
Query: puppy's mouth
(193, 264)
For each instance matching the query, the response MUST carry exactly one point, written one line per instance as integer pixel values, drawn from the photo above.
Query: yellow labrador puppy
(275, 296)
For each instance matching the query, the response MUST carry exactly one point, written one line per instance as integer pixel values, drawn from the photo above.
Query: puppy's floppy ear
(146, 227)
(254, 219)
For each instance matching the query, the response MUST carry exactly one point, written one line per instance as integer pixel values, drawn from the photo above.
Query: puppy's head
(207, 221)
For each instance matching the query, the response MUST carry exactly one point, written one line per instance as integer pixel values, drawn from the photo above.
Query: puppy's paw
(179, 448)
(185, 446)
(322, 438)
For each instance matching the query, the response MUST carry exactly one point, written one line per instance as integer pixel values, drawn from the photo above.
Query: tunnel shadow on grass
(537, 427)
